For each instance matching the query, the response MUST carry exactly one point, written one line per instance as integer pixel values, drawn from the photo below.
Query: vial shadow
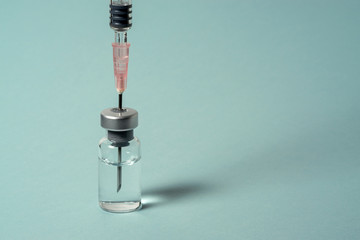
(168, 194)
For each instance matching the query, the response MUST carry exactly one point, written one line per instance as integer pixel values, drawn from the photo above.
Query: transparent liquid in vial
(128, 198)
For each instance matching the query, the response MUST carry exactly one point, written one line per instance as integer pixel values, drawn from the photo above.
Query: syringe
(120, 22)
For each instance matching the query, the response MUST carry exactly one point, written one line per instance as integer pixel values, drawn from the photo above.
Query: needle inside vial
(119, 170)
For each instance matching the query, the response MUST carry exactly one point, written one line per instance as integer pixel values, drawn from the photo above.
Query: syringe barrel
(120, 15)
(121, 61)
(121, 2)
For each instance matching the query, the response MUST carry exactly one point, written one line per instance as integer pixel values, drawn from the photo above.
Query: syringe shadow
(168, 194)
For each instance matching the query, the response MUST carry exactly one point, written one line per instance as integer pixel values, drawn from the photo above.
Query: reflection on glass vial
(119, 175)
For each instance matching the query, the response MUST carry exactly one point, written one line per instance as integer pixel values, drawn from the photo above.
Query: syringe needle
(120, 101)
(119, 170)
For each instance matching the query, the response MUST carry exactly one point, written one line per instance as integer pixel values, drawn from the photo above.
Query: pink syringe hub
(121, 61)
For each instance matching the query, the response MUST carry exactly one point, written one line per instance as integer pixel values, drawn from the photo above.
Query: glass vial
(119, 162)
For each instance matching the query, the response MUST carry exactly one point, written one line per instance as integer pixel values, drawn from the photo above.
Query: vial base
(120, 207)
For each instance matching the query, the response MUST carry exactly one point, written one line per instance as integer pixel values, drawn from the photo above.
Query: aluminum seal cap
(116, 119)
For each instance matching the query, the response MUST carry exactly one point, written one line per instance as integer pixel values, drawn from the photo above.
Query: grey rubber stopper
(121, 139)
(115, 119)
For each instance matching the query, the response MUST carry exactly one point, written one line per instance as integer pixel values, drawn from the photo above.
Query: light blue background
(249, 119)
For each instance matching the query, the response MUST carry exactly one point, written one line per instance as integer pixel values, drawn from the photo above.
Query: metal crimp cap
(115, 119)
